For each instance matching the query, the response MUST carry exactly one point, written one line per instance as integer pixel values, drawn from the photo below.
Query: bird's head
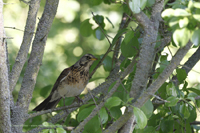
(86, 61)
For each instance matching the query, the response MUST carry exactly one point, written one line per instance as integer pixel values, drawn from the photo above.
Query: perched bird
(70, 83)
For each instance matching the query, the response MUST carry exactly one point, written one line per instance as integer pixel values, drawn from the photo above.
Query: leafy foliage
(176, 108)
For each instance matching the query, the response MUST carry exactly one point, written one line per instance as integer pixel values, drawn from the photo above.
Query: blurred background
(65, 44)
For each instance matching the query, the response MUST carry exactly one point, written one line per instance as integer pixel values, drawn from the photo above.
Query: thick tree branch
(163, 76)
(192, 61)
(146, 55)
(34, 63)
(143, 20)
(28, 35)
(5, 123)
(152, 89)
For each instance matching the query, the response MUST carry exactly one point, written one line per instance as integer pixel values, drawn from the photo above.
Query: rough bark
(5, 124)
(19, 112)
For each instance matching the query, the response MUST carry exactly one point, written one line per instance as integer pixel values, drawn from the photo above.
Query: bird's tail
(46, 104)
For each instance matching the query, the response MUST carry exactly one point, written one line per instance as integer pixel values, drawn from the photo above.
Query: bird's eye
(88, 57)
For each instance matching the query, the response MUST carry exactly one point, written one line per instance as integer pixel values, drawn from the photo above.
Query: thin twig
(14, 28)
(101, 29)
(96, 107)
(51, 110)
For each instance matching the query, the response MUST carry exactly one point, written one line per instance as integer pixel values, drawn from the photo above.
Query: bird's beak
(94, 59)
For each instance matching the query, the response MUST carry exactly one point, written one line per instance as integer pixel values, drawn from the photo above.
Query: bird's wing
(62, 76)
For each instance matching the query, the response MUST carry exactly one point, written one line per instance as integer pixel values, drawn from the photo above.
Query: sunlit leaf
(183, 22)
(134, 6)
(196, 4)
(181, 12)
(141, 118)
(181, 37)
(167, 13)
(196, 37)
(112, 102)
(172, 101)
(60, 130)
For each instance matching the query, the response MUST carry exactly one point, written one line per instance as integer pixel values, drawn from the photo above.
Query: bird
(71, 82)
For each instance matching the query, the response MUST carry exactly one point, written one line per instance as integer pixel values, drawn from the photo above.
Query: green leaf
(115, 112)
(45, 131)
(147, 108)
(119, 33)
(171, 90)
(196, 4)
(184, 110)
(112, 102)
(137, 5)
(167, 13)
(181, 12)
(193, 114)
(141, 118)
(181, 37)
(196, 16)
(94, 2)
(45, 124)
(86, 28)
(110, 22)
(130, 44)
(183, 22)
(174, 23)
(107, 63)
(172, 101)
(84, 113)
(166, 125)
(181, 75)
(150, 3)
(143, 4)
(192, 96)
(194, 90)
(93, 125)
(134, 5)
(103, 115)
(149, 129)
(99, 34)
(99, 19)
(52, 131)
(196, 37)
(60, 130)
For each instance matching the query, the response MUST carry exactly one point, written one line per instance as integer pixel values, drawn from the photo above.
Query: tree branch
(27, 38)
(163, 76)
(152, 89)
(192, 61)
(146, 55)
(34, 63)
(5, 123)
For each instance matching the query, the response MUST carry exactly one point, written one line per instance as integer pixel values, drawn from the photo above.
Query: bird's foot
(79, 99)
